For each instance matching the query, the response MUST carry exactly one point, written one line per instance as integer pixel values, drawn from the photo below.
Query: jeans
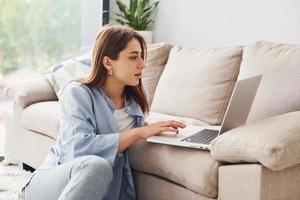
(84, 178)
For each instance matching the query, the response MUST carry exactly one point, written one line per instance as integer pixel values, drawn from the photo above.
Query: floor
(12, 179)
(9, 168)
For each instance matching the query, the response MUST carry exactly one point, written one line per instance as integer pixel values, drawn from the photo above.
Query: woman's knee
(96, 166)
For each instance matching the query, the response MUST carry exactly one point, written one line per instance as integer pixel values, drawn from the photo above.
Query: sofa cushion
(279, 90)
(42, 117)
(197, 83)
(157, 56)
(273, 141)
(191, 168)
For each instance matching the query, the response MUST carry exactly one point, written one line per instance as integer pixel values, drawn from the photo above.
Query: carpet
(12, 179)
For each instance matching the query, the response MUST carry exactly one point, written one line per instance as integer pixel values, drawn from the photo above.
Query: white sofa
(258, 161)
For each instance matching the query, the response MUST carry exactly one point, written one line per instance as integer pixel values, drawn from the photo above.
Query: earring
(110, 72)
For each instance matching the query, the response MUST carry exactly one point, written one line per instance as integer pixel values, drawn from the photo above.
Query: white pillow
(61, 74)
(197, 83)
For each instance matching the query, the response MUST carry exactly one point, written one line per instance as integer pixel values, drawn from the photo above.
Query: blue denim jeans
(84, 178)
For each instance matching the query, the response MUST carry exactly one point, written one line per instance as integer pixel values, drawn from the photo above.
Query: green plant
(137, 14)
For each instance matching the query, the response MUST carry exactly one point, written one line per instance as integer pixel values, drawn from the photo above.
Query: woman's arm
(78, 136)
(130, 137)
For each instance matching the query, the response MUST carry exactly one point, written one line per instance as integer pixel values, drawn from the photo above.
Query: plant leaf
(144, 3)
(138, 14)
(141, 7)
(128, 16)
(122, 6)
(122, 17)
(132, 6)
(150, 8)
(120, 21)
(147, 15)
(146, 9)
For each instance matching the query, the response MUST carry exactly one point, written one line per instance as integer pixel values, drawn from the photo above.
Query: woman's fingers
(169, 129)
(174, 124)
(169, 126)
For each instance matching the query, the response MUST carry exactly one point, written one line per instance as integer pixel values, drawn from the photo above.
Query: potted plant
(138, 15)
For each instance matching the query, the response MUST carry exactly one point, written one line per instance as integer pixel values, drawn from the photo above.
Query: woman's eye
(133, 57)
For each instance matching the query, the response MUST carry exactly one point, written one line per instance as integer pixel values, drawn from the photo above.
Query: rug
(12, 179)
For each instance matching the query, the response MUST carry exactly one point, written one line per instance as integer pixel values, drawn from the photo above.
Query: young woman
(102, 115)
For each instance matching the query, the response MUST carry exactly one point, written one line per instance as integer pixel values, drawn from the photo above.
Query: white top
(124, 120)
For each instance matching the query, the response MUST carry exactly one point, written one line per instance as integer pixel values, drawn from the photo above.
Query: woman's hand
(159, 127)
(129, 137)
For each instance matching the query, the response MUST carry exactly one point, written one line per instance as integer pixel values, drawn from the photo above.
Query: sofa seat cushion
(191, 168)
(42, 117)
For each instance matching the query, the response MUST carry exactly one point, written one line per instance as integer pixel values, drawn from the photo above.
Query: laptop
(236, 114)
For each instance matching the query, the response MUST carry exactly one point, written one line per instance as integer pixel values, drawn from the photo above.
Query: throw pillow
(61, 74)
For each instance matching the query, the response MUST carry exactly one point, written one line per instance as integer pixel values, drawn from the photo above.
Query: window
(35, 34)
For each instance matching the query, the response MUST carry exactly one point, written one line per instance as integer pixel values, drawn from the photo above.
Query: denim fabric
(86, 177)
(88, 127)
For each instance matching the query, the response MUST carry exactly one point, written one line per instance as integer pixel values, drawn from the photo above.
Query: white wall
(226, 22)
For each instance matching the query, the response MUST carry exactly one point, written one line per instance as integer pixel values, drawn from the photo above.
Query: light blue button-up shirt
(88, 127)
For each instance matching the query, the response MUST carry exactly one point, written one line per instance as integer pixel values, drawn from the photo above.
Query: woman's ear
(107, 63)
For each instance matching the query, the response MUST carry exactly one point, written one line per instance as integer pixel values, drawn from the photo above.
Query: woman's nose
(142, 63)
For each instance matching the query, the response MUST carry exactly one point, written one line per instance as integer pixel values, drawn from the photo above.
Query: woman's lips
(138, 75)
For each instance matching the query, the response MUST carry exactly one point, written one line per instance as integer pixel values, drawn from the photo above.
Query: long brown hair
(110, 41)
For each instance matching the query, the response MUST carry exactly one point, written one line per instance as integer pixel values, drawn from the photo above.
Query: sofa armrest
(273, 141)
(255, 182)
(27, 92)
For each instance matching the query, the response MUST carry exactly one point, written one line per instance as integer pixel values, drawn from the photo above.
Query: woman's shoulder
(77, 99)
(76, 86)
(77, 89)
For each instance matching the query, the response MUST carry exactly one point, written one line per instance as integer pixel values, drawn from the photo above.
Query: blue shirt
(88, 127)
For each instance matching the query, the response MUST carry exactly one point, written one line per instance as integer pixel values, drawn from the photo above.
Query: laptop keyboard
(204, 136)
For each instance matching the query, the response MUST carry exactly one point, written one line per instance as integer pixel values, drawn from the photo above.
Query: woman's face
(127, 69)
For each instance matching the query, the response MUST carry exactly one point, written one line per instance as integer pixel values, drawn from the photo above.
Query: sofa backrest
(157, 57)
(197, 83)
(279, 90)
